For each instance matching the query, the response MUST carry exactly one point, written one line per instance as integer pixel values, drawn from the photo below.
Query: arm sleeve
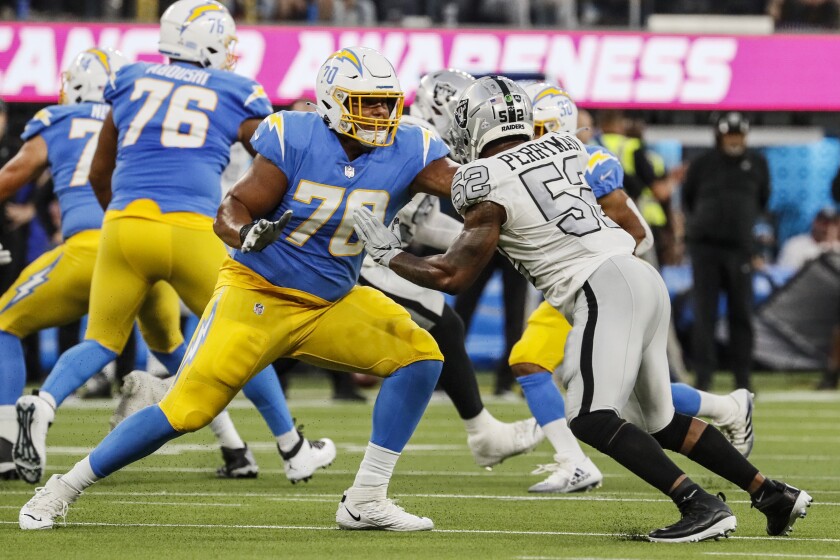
(472, 185)
(255, 101)
(604, 174)
(37, 124)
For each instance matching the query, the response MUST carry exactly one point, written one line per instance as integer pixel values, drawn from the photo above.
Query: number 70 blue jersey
(319, 252)
(176, 123)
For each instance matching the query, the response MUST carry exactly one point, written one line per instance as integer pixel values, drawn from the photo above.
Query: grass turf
(170, 505)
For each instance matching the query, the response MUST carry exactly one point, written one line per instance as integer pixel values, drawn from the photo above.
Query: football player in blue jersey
(540, 349)
(54, 289)
(290, 287)
(157, 171)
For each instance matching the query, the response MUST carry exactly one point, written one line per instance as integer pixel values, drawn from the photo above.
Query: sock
(687, 399)
(265, 392)
(481, 422)
(171, 360)
(543, 396)
(8, 423)
(766, 487)
(12, 368)
(288, 441)
(566, 446)
(225, 431)
(80, 476)
(719, 408)
(684, 490)
(457, 377)
(714, 452)
(44, 395)
(138, 436)
(76, 366)
(376, 468)
(401, 402)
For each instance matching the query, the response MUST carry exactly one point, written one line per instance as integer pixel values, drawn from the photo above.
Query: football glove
(5, 256)
(259, 234)
(381, 242)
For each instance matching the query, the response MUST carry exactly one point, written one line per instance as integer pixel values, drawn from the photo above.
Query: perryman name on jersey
(544, 148)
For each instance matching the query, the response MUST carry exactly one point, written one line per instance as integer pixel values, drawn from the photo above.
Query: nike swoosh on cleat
(38, 519)
(355, 517)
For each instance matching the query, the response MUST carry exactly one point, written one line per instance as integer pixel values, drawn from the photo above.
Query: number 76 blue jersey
(176, 123)
(319, 252)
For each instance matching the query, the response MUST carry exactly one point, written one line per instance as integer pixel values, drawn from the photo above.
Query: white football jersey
(555, 233)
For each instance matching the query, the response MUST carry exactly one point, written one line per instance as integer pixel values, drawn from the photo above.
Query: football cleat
(739, 429)
(49, 502)
(307, 457)
(7, 465)
(34, 416)
(362, 508)
(492, 446)
(139, 390)
(567, 477)
(782, 507)
(704, 517)
(239, 463)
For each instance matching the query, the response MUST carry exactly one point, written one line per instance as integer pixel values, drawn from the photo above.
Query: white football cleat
(34, 416)
(307, 457)
(362, 508)
(739, 429)
(492, 446)
(48, 503)
(567, 477)
(140, 389)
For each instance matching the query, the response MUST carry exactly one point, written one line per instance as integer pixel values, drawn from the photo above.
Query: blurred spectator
(354, 13)
(725, 192)
(831, 376)
(638, 171)
(805, 14)
(586, 126)
(824, 236)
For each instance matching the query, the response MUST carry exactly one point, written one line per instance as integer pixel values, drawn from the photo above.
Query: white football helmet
(491, 108)
(86, 77)
(554, 110)
(437, 95)
(348, 79)
(199, 31)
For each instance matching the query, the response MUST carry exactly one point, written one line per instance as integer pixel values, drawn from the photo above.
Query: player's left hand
(5, 256)
(259, 234)
(381, 242)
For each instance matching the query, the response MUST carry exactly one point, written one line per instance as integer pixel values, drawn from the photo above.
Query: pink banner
(624, 70)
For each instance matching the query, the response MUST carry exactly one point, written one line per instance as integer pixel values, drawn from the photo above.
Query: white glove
(259, 234)
(5, 256)
(381, 242)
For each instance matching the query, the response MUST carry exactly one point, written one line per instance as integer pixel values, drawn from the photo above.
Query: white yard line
(445, 531)
(772, 555)
(179, 504)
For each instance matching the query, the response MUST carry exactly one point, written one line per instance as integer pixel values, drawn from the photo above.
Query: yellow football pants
(249, 323)
(544, 339)
(54, 290)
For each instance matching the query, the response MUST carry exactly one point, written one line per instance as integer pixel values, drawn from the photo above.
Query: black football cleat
(239, 463)
(782, 507)
(703, 517)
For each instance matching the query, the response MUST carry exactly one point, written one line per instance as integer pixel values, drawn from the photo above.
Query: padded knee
(672, 436)
(597, 428)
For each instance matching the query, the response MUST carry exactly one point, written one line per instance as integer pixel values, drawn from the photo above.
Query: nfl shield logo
(349, 171)
(259, 308)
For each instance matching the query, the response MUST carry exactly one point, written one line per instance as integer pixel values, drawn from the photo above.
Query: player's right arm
(24, 168)
(253, 197)
(104, 161)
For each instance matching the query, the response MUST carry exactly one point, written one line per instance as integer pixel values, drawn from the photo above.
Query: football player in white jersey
(528, 198)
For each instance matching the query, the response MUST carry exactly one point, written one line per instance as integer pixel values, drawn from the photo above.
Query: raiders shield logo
(349, 171)
(461, 113)
(443, 93)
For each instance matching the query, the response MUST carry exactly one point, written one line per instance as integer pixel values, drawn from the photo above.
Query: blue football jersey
(319, 252)
(71, 133)
(176, 124)
(604, 172)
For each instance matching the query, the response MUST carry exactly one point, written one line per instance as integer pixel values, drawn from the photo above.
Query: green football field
(171, 505)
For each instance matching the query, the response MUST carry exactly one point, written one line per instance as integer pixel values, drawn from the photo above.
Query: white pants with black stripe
(616, 353)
